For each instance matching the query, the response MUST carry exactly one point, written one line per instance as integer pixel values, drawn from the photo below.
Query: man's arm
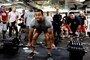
(9, 19)
(85, 21)
(7, 16)
(30, 35)
(24, 21)
(60, 17)
(25, 18)
(78, 28)
(16, 19)
(69, 27)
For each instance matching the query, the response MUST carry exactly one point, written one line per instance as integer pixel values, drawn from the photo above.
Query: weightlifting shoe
(31, 55)
(49, 57)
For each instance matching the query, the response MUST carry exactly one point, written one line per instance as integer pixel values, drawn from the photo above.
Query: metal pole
(66, 4)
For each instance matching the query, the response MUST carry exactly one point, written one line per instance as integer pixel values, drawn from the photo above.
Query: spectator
(4, 16)
(74, 24)
(13, 18)
(29, 15)
(57, 25)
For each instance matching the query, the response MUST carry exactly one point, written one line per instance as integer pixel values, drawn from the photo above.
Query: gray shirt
(29, 16)
(43, 26)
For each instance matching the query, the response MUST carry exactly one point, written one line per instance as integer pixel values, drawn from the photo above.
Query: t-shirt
(29, 16)
(4, 16)
(49, 18)
(82, 20)
(12, 16)
(43, 26)
(74, 23)
(57, 18)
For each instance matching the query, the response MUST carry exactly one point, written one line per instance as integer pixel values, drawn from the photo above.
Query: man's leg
(10, 31)
(34, 41)
(3, 30)
(26, 33)
(51, 38)
(30, 36)
(66, 33)
(15, 27)
(55, 36)
(47, 37)
(59, 35)
(20, 32)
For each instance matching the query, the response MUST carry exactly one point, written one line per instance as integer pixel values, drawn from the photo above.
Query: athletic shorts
(83, 28)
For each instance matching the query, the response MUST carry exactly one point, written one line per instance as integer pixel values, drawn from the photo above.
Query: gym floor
(59, 53)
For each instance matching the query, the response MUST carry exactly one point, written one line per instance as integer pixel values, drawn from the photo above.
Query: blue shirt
(74, 23)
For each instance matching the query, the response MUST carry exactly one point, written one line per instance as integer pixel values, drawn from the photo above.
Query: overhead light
(8, 4)
(80, 0)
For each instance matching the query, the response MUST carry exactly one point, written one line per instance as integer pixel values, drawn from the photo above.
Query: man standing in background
(56, 25)
(29, 15)
(83, 21)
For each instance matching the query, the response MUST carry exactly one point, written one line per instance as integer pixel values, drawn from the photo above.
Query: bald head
(57, 11)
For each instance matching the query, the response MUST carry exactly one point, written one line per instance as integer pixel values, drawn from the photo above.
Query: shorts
(83, 28)
(66, 26)
(4, 27)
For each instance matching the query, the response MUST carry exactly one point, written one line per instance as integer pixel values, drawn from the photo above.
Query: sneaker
(31, 55)
(49, 57)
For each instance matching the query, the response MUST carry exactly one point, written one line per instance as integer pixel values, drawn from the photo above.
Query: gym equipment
(76, 50)
(10, 44)
(74, 37)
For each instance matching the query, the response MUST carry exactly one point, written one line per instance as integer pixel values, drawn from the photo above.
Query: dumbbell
(10, 44)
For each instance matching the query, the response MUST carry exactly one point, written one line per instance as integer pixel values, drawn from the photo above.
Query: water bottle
(72, 43)
(79, 44)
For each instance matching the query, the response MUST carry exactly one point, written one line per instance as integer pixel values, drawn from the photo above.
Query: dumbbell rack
(9, 45)
(76, 50)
